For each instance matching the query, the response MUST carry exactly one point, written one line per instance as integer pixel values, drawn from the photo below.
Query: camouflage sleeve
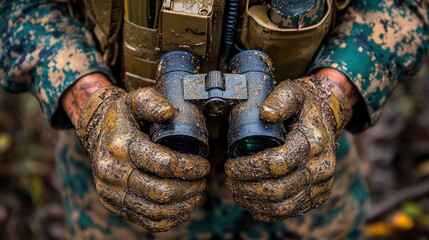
(44, 50)
(376, 44)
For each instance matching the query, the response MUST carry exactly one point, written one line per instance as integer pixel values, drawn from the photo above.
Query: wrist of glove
(135, 178)
(291, 179)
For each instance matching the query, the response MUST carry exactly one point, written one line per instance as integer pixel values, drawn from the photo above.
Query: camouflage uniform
(376, 44)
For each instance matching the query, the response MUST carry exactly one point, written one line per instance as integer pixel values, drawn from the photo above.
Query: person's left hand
(291, 179)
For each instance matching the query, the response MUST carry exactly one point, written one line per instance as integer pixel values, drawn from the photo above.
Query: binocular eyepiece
(187, 132)
(242, 92)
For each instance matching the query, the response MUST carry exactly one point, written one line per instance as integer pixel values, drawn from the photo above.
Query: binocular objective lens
(251, 145)
(182, 144)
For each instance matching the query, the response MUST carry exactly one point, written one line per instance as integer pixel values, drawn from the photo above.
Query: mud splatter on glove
(136, 179)
(291, 179)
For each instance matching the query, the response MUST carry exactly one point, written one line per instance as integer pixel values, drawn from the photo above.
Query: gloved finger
(163, 190)
(164, 162)
(112, 199)
(296, 205)
(158, 212)
(323, 166)
(321, 192)
(284, 101)
(147, 104)
(275, 189)
(272, 162)
(311, 124)
(155, 225)
(161, 225)
(118, 211)
(111, 195)
(112, 170)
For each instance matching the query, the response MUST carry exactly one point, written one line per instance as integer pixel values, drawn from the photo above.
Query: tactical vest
(133, 34)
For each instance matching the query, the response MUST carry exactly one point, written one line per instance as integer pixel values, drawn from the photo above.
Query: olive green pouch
(141, 53)
(292, 49)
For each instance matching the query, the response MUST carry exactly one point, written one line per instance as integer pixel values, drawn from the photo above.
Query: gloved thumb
(147, 104)
(284, 101)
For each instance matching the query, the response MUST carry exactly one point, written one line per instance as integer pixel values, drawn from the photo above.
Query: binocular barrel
(250, 83)
(187, 132)
(248, 134)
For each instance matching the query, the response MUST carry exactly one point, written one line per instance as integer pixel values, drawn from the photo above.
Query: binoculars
(241, 92)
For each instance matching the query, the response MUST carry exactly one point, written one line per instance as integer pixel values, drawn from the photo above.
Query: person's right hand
(137, 179)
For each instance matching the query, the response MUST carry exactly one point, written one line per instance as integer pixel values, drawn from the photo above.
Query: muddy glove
(291, 179)
(137, 179)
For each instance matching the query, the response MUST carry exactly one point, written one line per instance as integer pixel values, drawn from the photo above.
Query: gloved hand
(291, 179)
(136, 179)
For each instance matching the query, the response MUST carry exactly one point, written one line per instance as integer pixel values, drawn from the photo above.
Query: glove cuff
(338, 103)
(90, 114)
